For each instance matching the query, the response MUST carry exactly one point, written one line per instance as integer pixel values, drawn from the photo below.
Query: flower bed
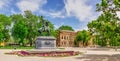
(19, 53)
(45, 54)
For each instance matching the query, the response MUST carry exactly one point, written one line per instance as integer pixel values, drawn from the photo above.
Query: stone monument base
(46, 42)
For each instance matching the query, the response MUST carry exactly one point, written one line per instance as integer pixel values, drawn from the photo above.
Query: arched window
(62, 37)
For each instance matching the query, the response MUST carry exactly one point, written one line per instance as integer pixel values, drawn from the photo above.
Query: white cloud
(58, 14)
(76, 8)
(1, 3)
(52, 13)
(81, 26)
(13, 11)
(79, 9)
(58, 25)
(32, 5)
(4, 3)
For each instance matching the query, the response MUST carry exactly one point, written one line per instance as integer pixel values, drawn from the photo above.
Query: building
(66, 38)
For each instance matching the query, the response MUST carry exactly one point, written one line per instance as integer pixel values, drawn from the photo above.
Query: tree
(5, 23)
(16, 17)
(19, 31)
(65, 28)
(1, 29)
(55, 34)
(106, 26)
(82, 36)
(31, 22)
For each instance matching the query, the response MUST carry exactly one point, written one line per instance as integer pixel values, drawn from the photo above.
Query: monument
(45, 41)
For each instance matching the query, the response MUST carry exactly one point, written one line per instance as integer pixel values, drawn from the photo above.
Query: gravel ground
(89, 55)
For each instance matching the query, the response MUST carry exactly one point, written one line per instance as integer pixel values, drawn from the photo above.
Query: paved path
(89, 55)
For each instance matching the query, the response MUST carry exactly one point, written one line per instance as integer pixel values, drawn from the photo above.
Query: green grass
(61, 48)
(16, 47)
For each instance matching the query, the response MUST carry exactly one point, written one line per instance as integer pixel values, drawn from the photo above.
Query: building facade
(66, 38)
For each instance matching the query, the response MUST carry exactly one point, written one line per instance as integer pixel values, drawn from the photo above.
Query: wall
(66, 38)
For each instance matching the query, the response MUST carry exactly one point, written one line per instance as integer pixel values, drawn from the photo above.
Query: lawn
(22, 47)
(16, 47)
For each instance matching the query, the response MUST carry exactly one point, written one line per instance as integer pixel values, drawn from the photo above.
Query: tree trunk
(83, 43)
(30, 42)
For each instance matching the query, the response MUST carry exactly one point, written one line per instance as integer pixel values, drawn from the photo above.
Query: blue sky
(75, 13)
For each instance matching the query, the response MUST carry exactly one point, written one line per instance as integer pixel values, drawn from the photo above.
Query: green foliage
(5, 20)
(65, 28)
(17, 47)
(31, 22)
(82, 36)
(19, 31)
(6, 35)
(55, 34)
(16, 18)
(5, 23)
(106, 26)
(1, 29)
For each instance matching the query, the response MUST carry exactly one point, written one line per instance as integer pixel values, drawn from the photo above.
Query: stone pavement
(90, 54)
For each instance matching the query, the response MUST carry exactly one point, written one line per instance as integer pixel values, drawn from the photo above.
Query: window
(64, 42)
(64, 37)
(67, 37)
(70, 42)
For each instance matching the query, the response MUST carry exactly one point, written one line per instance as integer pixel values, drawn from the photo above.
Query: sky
(74, 13)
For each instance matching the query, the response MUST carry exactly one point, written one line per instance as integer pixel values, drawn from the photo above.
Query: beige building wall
(66, 38)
